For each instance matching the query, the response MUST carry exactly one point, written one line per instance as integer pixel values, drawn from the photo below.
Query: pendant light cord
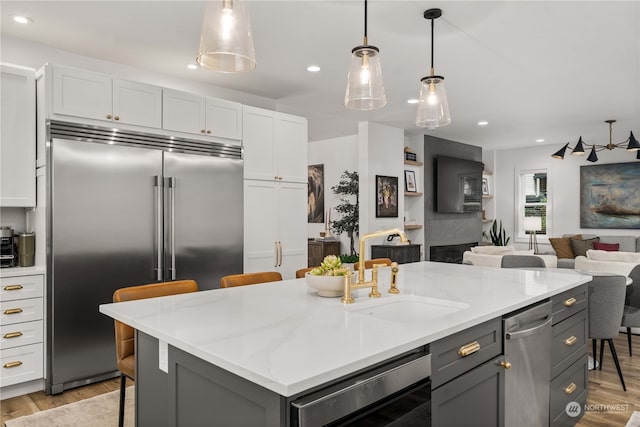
(432, 46)
(365, 23)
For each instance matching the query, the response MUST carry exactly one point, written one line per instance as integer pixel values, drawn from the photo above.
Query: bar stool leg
(595, 355)
(629, 340)
(615, 359)
(601, 352)
(123, 388)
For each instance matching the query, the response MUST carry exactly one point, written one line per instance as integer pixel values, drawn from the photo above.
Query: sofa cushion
(611, 247)
(580, 247)
(595, 255)
(562, 246)
(586, 265)
(492, 250)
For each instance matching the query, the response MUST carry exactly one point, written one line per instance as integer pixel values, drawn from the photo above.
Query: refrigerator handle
(275, 254)
(157, 184)
(172, 230)
(279, 253)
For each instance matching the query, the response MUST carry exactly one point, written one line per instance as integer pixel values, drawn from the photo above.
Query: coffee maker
(8, 254)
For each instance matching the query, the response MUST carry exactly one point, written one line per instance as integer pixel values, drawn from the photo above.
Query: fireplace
(449, 253)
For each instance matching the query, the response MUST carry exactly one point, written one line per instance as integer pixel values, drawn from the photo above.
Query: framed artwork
(610, 196)
(485, 186)
(315, 194)
(386, 196)
(410, 181)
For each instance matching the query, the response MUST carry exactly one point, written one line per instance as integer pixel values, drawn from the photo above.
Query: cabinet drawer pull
(13, 287)
(12, 335)
(570, 388)
(505, 365)
(109, 116)
(570, 302)
(571, 340)
(468, 349)
(116, 118)
(209, 131)
(12, 364)
(13, 311)
(202, 131)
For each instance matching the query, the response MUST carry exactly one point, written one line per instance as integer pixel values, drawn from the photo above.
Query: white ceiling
(539, 69)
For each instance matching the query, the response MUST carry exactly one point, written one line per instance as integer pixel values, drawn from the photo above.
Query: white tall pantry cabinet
(275, 191)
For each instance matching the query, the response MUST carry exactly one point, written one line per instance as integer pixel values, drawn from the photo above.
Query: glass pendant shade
(633, 143)
(433, 107)
(365, 90)
(592, 155)
(579, 150)
(560, 153)
(226, 42)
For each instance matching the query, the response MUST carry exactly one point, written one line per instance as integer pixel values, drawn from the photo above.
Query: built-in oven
(395, 393)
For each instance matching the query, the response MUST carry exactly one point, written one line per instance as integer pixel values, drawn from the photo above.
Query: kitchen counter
(284, 337)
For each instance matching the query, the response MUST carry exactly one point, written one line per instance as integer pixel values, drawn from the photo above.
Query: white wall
(337, 155)
(563, 187)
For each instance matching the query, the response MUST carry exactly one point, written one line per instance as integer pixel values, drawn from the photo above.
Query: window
(533, 204)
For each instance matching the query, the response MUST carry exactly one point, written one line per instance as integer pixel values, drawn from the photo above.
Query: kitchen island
(286, 340)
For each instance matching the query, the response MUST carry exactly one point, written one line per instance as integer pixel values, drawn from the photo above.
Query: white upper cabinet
(18, 137)
(275, 145)
(97, 96)
(186, 112)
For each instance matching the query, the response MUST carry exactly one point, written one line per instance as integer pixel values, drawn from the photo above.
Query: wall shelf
(412, 226)
(486, 172)
(412, 194)
(412, 163)
(487, 196)
(486, 221)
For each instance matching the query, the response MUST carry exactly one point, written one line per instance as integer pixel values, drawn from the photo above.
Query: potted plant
(349, 221)
(328, 279)
(498, 235)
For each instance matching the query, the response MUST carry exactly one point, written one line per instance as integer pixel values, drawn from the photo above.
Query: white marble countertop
(22, 271)
(284, 337)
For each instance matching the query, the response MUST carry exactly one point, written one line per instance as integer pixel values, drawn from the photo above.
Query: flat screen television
(458, 185)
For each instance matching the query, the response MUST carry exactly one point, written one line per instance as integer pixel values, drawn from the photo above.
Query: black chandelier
(631, 145)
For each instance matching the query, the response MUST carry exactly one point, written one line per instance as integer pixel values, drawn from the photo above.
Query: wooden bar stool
(249, 279)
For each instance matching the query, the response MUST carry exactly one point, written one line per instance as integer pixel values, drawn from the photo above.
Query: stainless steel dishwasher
(527, 348)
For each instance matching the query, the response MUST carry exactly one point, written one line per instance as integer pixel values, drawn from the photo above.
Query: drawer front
(19, 334)
(24, 310)
(21, 287)
(569, 303)
(570, 386)
(568, 342)
(480, 344)
(21, 364)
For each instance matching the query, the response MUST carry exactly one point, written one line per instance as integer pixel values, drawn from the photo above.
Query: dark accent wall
(443, 228)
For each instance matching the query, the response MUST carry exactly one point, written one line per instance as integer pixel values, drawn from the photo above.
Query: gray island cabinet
(255, 355)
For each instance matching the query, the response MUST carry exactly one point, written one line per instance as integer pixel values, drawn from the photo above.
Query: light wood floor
(607, 406)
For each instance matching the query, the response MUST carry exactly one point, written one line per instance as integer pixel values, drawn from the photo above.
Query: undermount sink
(408, 308)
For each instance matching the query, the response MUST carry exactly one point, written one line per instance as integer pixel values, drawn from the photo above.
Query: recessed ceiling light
(192, 66)
(22, 19)
(539, 140)
(412, 101)
(313, 68)
(483, 123)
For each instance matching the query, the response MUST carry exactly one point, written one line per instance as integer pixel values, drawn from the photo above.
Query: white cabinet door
(137, 103)
(82, 93)
(291, 148)
(292, 227)
(260, 226)
(223, 118)
(18, 137)
(258, 142)
(183, 112)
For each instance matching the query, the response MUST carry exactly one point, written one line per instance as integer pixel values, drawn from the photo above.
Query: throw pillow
(611, 247)
(630, 257)
(580, 247)
(562, 246)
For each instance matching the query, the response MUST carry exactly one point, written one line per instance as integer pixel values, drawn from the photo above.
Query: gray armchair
(522, 261)
(606, 305)
(631, 316)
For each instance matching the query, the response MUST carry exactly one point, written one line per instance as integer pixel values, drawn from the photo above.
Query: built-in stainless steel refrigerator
(125, 209)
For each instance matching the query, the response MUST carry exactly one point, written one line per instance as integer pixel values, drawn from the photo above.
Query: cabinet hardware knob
(208, 131)
(13, 311)
(12, 287)
(505, 365)
(117, 117)
(109, 116)
(202, 131)
(12, 335)
(571, 340)
(468, 349)
(570, 388)
(570, 302)
(12, 364)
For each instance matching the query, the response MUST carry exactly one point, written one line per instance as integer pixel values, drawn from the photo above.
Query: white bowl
(327, 286)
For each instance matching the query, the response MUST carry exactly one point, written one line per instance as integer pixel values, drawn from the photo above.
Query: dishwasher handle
(529, 331)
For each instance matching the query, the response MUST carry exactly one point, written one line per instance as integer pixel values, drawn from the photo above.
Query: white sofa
(491, 256)
(609, 262)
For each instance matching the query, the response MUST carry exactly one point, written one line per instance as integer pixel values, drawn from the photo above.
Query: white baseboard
(27, 387)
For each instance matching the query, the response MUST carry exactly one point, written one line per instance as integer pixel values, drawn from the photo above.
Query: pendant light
(226, 43)
(365, 90)
(433, 108)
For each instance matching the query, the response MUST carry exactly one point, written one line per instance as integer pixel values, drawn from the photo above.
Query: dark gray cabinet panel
(473, 399)
(569, 303)
(152, 393)
(402, 254)
(568, 342)
(570, 386)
